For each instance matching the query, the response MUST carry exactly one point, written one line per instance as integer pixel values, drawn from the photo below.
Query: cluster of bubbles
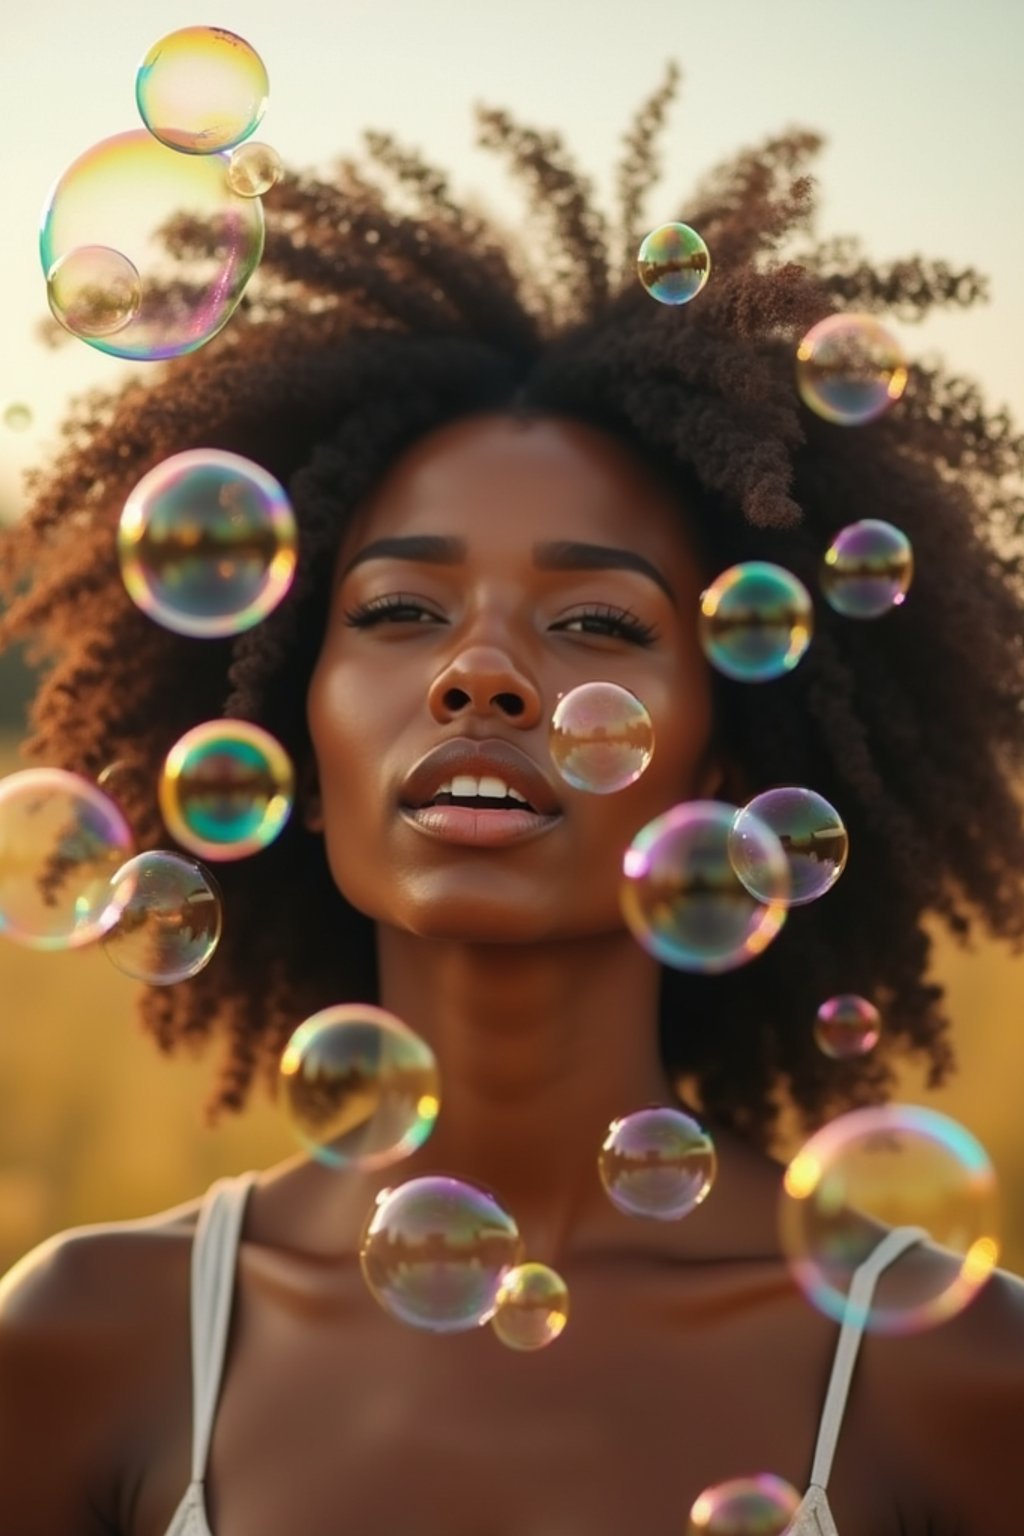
(150, 237)
(894, 1165)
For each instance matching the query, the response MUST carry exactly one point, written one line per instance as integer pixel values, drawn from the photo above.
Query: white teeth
(468, 785)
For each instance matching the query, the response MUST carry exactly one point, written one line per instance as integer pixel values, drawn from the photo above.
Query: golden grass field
(96, 1125)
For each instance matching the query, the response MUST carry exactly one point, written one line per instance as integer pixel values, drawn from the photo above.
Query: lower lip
(478, 829)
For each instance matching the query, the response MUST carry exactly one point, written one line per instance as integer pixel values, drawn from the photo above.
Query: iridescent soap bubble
(895, 1165)
(17, 416)
(435, 1252)
(532, 1307)
(171, 918)
(254, 168)
(657, 1162)
(601, 737)
(867, 569)
(673, 263)
(682, 899)
(756, 621)
(226, 789)
(360, 1088)
(94, 291)
(847, 1026)
(849, 369)
(174, 219)
(61, 843)
(207, 543)
(763, 1505)
(201, 89)
(813, 839)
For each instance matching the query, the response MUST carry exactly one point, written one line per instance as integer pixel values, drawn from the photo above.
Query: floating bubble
(61, 843)
(207, 543)
(813, 839)
(682, 899)
(94, 291)
(17, 416)
(532, 1308)
(756, 621)
(849, 369)
(361, 1090)
(174, 219)
(657, 1162)
(226, 789)
(170, 920)
(601, 738)
(435, 1252)
(673, 263)
(253, 169)
(745, 1506)
(895, 1165)
(867, 569)
(847, 1026)
(201, 89)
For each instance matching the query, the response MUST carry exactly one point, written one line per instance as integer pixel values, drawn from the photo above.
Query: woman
(452, 429)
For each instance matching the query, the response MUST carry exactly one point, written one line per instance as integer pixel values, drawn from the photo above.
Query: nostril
(511, 703)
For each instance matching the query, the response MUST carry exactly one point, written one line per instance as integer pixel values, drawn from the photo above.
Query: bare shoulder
(93, 1331)
(954, 1397)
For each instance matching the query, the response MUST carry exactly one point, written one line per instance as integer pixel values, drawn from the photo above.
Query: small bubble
(532, 1309)
(601, 738)
(253, 169)
(847, 1026)
(756, 621)
(94, 291)
(849, 369)
(170, 922)
(657, 1162)
(673, 263)
(867, 569)
(226, 789)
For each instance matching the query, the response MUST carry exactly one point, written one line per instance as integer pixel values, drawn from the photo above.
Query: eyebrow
(554, 555)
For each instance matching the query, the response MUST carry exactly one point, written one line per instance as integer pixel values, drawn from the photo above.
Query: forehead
(503, 483)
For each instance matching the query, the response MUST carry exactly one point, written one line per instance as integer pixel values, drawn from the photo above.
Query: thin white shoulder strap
(862, 1289)
(214, 1255)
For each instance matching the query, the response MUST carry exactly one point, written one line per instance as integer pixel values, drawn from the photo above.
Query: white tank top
(214, 1255)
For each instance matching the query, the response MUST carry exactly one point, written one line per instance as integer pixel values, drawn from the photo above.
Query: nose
(483, 681)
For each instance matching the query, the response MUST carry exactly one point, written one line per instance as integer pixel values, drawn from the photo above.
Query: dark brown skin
(689, 1356)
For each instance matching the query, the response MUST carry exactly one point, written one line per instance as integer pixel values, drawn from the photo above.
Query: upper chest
(334, 1417)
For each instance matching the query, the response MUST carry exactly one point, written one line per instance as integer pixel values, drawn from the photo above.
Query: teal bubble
(226, 789)
(867, 569)
(673, 263)
(756, 621)
(682, 899)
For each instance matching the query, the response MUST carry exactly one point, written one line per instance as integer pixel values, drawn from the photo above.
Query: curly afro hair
(383, 309)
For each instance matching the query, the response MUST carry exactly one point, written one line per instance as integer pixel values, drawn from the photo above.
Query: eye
(394, 607)
(601, 619)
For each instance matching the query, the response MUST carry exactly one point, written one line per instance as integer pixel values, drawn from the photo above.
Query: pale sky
(921, 102)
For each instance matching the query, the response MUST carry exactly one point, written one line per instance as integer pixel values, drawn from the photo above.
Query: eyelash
(625, 624)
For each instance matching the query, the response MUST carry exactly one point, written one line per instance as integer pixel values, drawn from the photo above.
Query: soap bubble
(533, 1307)
(813, 839)
(207, 543)
(601, 737)
(253, 169)
(435, 1251)
(361, 1090)
(657, 1162)
(867, 569)
(226, 789)
(17, 416)
(94, 291)
(201, 89)
(170, 920)
(894, 1165)
(124, 195)
(745, 1506)
(849, 369)
(847, 1026)
(682, 899)
(61, 843)
(756, 621)
(673, 263)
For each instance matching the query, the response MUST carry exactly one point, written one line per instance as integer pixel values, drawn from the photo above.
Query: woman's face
(491, 629)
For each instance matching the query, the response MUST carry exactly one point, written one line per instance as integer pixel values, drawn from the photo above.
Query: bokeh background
(924, 117)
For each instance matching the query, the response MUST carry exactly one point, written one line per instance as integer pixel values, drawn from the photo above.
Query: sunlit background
(924, 117)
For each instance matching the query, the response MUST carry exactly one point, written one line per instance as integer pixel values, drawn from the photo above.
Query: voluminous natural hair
(382, 309)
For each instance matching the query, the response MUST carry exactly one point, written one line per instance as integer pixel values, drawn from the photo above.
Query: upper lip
(460, 755)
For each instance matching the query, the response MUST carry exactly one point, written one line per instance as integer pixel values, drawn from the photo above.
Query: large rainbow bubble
(124, 194)
(201, 89)
(894, 1165)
